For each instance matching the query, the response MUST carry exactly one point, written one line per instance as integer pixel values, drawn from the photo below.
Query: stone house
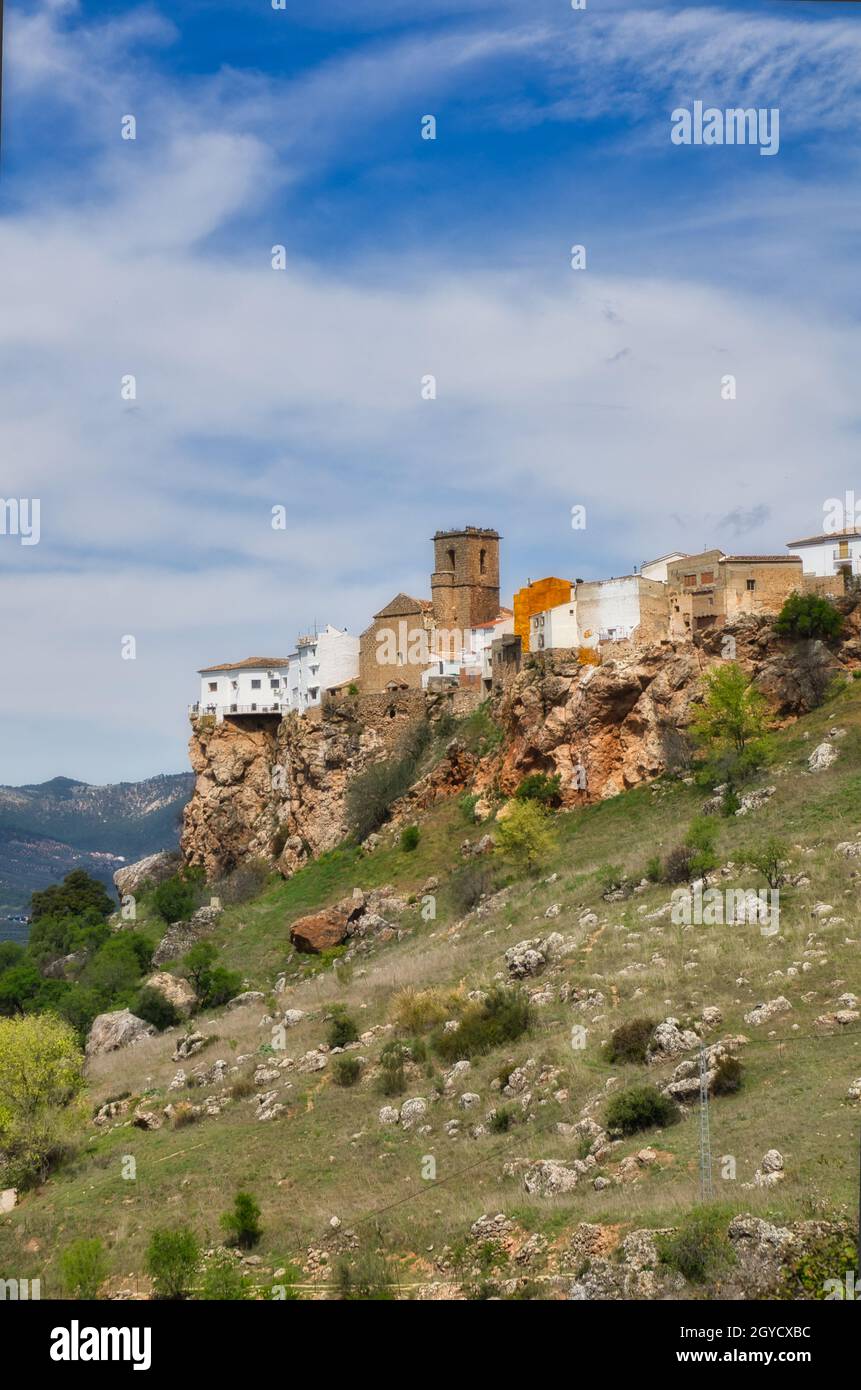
(710, 589)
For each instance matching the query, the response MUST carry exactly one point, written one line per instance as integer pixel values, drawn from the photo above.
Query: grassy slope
(329, 1155)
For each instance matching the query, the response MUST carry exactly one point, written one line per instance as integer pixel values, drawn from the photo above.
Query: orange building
(535, 597)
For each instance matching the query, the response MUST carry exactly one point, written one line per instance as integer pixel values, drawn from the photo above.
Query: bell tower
(465, 581)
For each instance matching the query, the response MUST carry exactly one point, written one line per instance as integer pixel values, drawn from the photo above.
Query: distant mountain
(51, 827)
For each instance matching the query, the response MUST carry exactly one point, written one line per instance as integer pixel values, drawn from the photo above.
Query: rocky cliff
(278, 790)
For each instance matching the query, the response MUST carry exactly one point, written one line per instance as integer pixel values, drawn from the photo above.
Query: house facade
(824, 556)
(710, 589)
(257, 685)
(322, 661)
(537, 596)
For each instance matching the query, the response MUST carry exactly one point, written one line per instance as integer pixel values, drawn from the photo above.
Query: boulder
(8, 1199)
(250, 996)
(177, 992)
(822, 757)
(154, 869)
(321, 931)
(109, 1032)
(763, 1013)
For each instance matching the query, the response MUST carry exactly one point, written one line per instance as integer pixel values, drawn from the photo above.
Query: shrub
(770, 859)
(501, 1119)
(242, 1088)
(224, 1282)
(733, 712)
(539, 787)
(629, 1042)
(611, 878)
(246, 882)
(183, 1115)
(467, 803)
(409, 838)
(469, 884)
(242, 1223)
(372, 792)
(41, 1085)
(419, 1010)
(84, 1268)
(678, 865)
(342, 1029)
(393, 1081)
(504, 1015)
(640, 1107)
(808, 616)
(525, 836)
(700, 839)
(819, 1270)
(700, 1248)
(728, 1077)
(172, 1259)
(346, 1071)
(654, 869)
(367, 1279)
(173, 900)
(153, 1007)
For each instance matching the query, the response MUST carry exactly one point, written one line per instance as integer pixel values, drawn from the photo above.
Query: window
(255, 685)
(707, 577)
(843, 550)
(751, 585)
(482, 556)
(213, 685)
(274, 684)
(450, 554)
(690, 581)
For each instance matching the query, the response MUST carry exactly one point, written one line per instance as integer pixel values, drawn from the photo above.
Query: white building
(474, 660)
(826, 555)
(657, 569)
(257, 685)
(321, 662)
(555, 627)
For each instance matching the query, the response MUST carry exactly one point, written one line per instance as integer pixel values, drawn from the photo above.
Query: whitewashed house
(603, 610)
(322, 661)
(657, 569)
(827, 555)
(555, 627)
(474, 659)
(257, 685)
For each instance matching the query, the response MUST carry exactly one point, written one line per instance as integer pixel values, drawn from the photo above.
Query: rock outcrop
(109, 1032)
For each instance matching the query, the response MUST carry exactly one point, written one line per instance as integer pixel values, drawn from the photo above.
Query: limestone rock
(320, 931)
(177, 992)
(154, 869)
(111, 1031)
(763, 1013)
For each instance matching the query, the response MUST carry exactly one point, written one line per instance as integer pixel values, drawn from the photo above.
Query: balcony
(221, 712)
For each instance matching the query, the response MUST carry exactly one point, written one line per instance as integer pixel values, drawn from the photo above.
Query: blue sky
(404, 257)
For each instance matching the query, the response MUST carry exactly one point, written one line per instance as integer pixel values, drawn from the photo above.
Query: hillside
(504, 1178)
(51, 827)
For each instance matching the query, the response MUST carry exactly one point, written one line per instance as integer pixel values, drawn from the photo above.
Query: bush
(700, 1248)
(346, 1071)
(467, 802)
(500, 1018)
(733, 712)
(419, 1010)
(245, 883)
(539, 787)
(367, 1279)
(41, 1085)
(728, 1077)
(808, 616)
(501, 1119)
(153, 1007)
(173, 900)
(629, 1042)
(611, 878)
(372, 792)
(654, 869)
(468, 885)
(525, 836)
(172, 1259)
(342, 1030)
(242, 1223)
(678, 865)
(770, 859)
(84, 1268)
(393, 1081)
(409, 838)
(183, 1115)
(700, 839)
(224, 1282)
(640, 1107)
(826, 1256)
(77, 895)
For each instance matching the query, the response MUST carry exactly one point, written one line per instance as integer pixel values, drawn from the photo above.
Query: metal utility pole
(706, 1189)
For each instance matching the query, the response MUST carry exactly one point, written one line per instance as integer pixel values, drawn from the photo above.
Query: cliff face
(278, 790)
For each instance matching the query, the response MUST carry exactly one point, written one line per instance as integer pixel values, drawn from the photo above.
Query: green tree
(809, 616)
(174, 899)
(84, 1268)
(72, 898)
(242, 1222)
(41, 1080)
(197, 964)
(525, 835)
(733, 713)
(172, 1261)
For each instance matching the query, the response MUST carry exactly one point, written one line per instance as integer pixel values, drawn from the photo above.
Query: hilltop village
(464, 639)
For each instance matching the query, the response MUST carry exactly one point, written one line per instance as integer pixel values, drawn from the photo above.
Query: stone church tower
(465, 581)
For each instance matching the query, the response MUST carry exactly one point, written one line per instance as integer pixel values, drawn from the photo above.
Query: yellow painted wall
(534, 598)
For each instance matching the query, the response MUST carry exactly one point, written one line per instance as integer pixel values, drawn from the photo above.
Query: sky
(404, 257)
